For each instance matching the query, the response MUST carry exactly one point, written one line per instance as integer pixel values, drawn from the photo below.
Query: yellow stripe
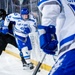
(43, 66)
(12, 53)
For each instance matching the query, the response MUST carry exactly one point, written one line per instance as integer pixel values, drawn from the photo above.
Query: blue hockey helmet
(24, 11)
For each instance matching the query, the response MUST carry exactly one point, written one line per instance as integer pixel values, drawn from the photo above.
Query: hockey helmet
(2, 13)
(24, 11)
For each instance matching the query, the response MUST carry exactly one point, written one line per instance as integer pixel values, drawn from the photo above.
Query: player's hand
(51, 47)
(4, 31)
(27, 30)
(48, 39)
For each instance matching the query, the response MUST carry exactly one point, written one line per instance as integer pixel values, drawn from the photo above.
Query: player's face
(25, 17)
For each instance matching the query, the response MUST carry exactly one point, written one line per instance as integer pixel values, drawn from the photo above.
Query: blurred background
(12, 6)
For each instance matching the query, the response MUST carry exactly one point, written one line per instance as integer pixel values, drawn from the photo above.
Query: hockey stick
(22, 58)
(11, 34)
(38, 65)
(17, 37)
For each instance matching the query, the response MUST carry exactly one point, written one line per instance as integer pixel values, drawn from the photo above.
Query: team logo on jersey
(71, 4)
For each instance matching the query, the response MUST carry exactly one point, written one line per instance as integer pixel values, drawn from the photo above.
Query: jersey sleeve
(50, 10)
(31, 16)
(7, 20)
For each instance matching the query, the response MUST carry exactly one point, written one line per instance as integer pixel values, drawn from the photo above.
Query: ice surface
(10, 65)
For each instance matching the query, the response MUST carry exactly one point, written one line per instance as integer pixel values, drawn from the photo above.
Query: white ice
(10, 65)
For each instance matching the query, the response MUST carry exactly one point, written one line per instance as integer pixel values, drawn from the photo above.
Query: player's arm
(32, 17)
(47, 31)
(27, 29)
(5, 26)
(31, 27)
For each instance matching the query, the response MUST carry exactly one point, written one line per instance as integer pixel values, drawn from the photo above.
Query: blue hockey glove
(51, 47)
(48, 39)
(27, 30)
(5, 30)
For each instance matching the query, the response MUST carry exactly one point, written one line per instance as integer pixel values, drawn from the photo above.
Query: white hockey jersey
(20, 24)
(50, 10)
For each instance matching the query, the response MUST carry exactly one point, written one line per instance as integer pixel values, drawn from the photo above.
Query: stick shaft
(39, 65)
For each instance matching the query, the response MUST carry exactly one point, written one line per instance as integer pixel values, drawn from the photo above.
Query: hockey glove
(27, 30)
(48, 39)
(5, 30)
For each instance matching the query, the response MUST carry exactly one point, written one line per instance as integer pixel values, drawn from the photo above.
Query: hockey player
(50, 10)
(2, 45)
(4, 39)
(23, 25)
